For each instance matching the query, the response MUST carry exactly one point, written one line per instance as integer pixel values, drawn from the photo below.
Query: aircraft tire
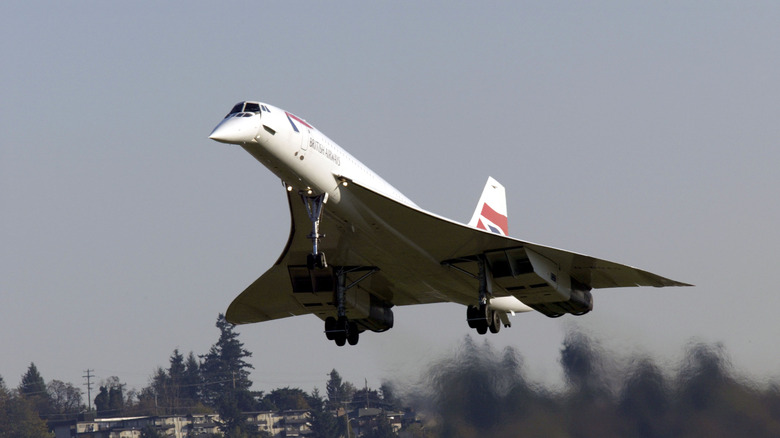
(495, 322)
(353, 335)
(330, 328)
(342, 331)
(471, 315)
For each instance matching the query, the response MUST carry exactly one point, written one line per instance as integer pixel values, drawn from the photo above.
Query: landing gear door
(305, 133)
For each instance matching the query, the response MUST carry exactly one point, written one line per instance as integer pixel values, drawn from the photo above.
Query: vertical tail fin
(491, 214)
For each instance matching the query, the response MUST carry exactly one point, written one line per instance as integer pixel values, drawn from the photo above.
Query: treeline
(477, 391)
(216, 382)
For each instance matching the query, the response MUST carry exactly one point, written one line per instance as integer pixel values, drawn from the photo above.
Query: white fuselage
(302, 156)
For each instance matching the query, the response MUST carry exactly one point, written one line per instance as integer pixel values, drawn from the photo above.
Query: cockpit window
(249, 107)
(236, 109)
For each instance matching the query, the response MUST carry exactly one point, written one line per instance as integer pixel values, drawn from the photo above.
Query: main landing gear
(482, 317)
(339, 329)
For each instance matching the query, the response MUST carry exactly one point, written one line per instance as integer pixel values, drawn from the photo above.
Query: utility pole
(89, 388)
(367, 404)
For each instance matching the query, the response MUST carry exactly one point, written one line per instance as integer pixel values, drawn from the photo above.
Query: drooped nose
(235, 130)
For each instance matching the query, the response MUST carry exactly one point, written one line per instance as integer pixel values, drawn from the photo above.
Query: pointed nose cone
(234, 131)
(224, 133)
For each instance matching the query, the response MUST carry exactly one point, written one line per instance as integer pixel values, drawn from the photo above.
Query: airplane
(383, 250)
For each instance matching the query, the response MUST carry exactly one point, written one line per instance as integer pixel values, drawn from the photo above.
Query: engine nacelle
(579, 303)
(380, 318)
(570, 295)
(368, 311)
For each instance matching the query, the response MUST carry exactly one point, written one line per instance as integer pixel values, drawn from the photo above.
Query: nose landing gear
(314, 207)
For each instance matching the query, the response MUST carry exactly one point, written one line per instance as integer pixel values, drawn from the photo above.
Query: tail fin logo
(493, 221)
(491, 214)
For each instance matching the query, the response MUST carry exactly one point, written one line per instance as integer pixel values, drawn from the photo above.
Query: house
(132, 427)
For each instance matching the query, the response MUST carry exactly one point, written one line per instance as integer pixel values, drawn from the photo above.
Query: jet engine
(579, 303)
(380, 318)
(367, 310)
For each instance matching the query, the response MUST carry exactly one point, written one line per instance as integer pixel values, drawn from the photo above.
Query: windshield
(248, 107)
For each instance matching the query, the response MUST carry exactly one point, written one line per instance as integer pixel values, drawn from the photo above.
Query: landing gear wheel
(353, 335)
(495, 322)
(342, 331)
(330, 328)
(471, 316)
(483, 319)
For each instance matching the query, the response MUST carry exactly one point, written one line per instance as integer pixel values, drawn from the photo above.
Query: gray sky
(642, 133)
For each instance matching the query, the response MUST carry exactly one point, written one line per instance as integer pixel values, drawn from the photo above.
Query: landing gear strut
(342, 329)
(314, 208)
(482, 317)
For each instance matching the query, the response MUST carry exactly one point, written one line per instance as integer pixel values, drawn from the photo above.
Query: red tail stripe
(497, 218)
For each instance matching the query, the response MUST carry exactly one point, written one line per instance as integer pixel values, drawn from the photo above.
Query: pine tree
(32, 382)
(176, 367)
(339, 392)
(175, 380)
(224, 367)
(226, 378)
(323, 423)
(33, 388)
(160, 391)
(192, 380)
